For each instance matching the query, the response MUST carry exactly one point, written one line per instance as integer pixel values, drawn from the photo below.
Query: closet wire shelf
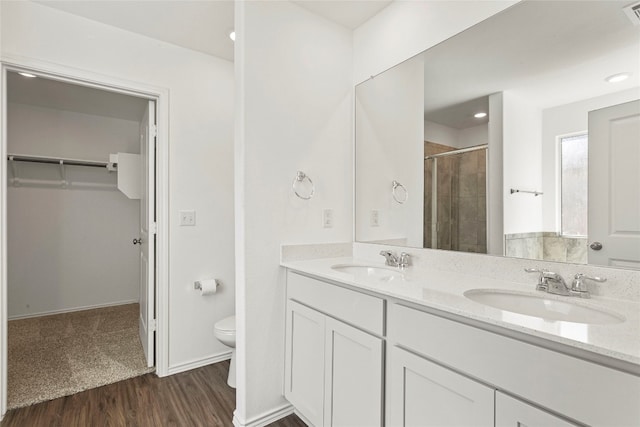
(16, 180)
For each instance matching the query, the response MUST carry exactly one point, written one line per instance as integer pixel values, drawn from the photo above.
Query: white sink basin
(543, 307)
(369, 271)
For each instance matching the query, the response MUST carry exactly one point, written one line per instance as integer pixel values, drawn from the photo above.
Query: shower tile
(468, 185)
(577, 250)
(482, 208)
(468, 233)
(444, 212)
(444, 235)
(482, 234)
(469, 163)
(554, 249)
(468, 209)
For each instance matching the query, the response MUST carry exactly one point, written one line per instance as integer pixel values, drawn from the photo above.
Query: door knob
(137, 241)
(596, 246)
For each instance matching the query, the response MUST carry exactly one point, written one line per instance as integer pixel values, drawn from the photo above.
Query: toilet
(225, 331)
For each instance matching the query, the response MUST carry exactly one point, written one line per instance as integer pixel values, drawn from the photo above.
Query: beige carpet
(59, 355)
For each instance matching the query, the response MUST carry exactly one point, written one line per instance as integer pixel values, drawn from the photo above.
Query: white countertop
(444, 290)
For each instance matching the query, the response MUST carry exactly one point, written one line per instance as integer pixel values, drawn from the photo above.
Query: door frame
(112, 84)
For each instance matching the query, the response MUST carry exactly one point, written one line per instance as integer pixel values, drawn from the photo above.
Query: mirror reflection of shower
(455, 199)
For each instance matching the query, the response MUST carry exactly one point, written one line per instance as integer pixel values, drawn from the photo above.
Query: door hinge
(153, 130)
(152, 325)
(153, 228)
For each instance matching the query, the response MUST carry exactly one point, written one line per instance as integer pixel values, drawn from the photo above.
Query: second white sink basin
(543, 307)
(371, 271)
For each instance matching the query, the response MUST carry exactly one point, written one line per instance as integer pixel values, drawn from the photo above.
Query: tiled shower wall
(548, 246)
(461, 200)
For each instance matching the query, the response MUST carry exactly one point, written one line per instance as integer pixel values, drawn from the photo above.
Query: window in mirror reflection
(574, 184)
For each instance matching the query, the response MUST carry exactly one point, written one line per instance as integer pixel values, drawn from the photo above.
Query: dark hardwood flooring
(199, 397)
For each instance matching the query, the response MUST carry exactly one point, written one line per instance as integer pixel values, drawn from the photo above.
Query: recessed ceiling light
(232, 35)
(27, 75)
(480, 115)
(616, 78)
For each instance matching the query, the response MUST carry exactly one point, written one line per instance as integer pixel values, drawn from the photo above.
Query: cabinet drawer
(581, 390)
(361, 310)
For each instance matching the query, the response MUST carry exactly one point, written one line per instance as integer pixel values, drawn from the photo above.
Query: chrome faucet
(554, 283)
(391, 259)
(404, 261)
(579, 287)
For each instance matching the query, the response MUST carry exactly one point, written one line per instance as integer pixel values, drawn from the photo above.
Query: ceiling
(348, 13)
(47, 93)
(201, 25)
(549, 53)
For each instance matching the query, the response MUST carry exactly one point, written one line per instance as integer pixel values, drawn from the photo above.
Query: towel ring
(301, 177)
(395, 185)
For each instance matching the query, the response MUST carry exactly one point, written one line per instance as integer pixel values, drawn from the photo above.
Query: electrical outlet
(187, 218)
(327, 218)
(375, 218)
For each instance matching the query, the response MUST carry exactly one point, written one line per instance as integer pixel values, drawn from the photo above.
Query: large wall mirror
(517, 137)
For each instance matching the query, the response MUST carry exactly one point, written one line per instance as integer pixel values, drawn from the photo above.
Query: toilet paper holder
(207, 286)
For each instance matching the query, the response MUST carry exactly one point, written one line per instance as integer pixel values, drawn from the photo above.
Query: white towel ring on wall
(394, 192)
(299, 179)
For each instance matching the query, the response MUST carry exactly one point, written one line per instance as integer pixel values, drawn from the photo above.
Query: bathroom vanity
(370, 345)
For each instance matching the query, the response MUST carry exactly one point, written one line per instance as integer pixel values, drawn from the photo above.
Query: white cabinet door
(421, 393)
(353, 377)
(511, 412)
(304, 361)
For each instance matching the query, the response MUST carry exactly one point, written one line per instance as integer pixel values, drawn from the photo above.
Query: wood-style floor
(199, 397)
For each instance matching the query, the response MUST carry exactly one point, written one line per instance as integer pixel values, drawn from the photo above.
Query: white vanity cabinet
(356, 359)
(459, 361)
(512, 412)
(334, 354)
(421, 393)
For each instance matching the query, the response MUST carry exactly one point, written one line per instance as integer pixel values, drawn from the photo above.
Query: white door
(147, 238)
(304, 361)
(614, 186)
(421, 393)
(353, 377)
(514, 413)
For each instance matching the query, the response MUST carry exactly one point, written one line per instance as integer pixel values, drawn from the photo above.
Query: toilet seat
(226, 326)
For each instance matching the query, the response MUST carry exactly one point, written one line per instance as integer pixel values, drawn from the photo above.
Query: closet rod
(56, 161)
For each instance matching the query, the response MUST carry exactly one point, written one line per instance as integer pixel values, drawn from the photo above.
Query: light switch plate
(375, 218)
(327, 218)
(187, 218)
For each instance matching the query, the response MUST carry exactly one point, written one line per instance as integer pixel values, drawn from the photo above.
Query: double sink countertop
(444, 291)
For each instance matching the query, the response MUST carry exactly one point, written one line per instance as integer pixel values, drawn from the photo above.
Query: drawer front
(581, 390)
(360, 310)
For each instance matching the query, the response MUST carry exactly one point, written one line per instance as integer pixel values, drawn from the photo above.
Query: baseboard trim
(265, 418)
(199, 363)
(72, 310)
(302, 417)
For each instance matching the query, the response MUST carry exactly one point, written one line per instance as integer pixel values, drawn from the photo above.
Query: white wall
(474, 135)
(522, 165)
(200, 151)
(294, 113)
(69, 248)
(458, 138)
(563, 120)
(440, 134)
(406, 28)
(390, 146)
